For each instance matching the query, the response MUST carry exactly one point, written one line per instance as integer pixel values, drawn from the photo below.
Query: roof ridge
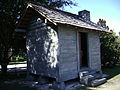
(68, 13)
(63, 17)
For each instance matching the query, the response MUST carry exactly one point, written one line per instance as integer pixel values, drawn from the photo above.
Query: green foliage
(118, 39)
(110, 48)
(20, 57)
(56, 3)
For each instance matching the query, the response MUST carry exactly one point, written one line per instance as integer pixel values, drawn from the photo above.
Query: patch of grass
(20, 62)
(115, 71)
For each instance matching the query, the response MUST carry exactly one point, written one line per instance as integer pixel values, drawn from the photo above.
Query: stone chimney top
(84, 14)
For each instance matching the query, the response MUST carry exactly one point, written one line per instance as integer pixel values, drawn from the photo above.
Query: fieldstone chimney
(84, 14)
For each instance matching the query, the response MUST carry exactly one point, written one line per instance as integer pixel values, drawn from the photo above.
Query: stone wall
(42, 48)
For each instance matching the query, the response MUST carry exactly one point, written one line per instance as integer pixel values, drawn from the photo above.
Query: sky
(108, 10)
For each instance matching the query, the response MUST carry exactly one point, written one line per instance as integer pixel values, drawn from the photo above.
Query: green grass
(17, 62)
(112, 72)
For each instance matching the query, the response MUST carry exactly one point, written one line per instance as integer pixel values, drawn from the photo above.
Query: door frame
(78, 50)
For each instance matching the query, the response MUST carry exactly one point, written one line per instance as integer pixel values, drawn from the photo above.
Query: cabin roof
(62, 17)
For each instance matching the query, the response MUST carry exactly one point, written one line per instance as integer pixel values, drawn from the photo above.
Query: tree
(10, 13)
(7, 27)
(110, 48)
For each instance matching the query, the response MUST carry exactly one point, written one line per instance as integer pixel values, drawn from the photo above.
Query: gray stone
(42, 87)
(72, 86)
(92, 77)
(42, 80)
(58, 86)
(97, 82)
(29, 77)
(32, 84)
(105, 76)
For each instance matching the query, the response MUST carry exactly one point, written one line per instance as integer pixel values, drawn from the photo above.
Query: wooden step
(97, 82)
(91, 77)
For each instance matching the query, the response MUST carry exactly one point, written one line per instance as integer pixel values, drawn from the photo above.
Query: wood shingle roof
(61, 17)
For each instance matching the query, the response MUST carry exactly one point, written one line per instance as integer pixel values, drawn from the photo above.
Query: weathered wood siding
(69, 52)
(42, 48)
(94, 50)
(68, 68)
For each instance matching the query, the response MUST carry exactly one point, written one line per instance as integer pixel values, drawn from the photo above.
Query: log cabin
(61, 45)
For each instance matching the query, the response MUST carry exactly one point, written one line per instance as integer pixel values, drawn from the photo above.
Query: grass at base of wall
(112, 72)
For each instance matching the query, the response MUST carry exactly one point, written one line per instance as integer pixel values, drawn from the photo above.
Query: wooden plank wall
(69, 59)
(94, 50)
(68, 68)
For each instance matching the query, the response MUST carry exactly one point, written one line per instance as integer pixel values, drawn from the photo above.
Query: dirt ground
(112, 84)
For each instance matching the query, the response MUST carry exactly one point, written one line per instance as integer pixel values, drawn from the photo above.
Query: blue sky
(108, 10)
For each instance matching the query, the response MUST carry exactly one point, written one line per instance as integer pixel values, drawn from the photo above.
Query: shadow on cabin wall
(42, 49)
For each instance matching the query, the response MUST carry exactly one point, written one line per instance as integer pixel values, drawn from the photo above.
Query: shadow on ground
(7, 81)
(11, 81)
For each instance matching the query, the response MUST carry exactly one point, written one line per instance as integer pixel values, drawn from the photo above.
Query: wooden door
(83, 55)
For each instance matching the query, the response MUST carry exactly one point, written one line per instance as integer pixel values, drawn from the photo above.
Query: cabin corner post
(78, 52)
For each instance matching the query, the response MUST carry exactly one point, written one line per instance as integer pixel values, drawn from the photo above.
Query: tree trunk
(4, 68)
(5, 61)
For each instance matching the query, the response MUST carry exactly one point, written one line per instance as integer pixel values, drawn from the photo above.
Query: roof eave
(29, 5)
(97, 30)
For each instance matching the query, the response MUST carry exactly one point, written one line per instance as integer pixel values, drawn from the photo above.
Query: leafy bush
(110, 49)
(20, 57)
(110, 46)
